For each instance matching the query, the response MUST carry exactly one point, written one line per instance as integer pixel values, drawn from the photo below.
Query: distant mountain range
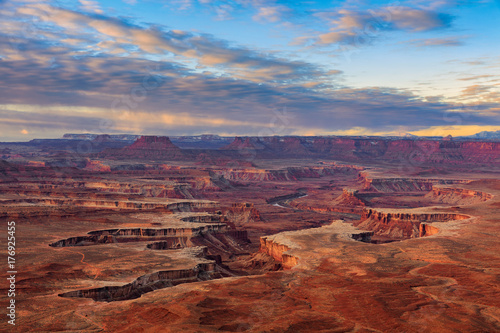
(485, 135)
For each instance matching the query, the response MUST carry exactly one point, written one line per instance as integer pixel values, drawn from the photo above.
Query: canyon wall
(415, 151)
(403, 224)
(127, 235)
(457, 196)
(148, 283)
(277, 251)
(403, 184)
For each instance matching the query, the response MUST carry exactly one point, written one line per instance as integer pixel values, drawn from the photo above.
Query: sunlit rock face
(403, 224)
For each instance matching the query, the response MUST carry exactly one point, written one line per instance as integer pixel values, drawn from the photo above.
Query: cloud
(115, 35)
(91, 6)
(271, 13)
(52, 87)
(425, 42)
(478, 77)
(360, 27)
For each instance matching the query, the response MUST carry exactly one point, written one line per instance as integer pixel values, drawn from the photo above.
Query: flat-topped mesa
(153, 142)
(128, 235)
(457, 196)
(403, 184)
(149, 282)
(146, 148)
(102, 138)
(179, 206)
(294, 247)
(245, 143)
(399, 224)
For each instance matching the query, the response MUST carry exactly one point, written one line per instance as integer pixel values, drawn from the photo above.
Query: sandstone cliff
(401, 224)
(457, 196)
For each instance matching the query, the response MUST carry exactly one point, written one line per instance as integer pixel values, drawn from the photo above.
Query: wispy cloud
(431, 42)
(359, 27)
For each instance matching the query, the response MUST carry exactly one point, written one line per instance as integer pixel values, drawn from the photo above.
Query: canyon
(254, 234)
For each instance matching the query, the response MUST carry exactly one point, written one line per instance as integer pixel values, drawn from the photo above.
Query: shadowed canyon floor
(267, 245)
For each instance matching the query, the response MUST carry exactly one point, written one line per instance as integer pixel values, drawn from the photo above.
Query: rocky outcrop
(292, 247)
(104, 190)
(148, 283)
(153, 143)
(278, 251)
(349, 198)
(209, 218)
(401, 224)
(252, 175)
(457, 196)
(128, 235)
(37, 164)
(97, 166)
(248, 143)
(146, 147)
(171, 243)
(287, 174)
(427, 229)
(182, 206)
(241, 213)
(403, 184)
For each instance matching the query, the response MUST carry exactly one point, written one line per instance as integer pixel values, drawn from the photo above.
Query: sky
(249, 67)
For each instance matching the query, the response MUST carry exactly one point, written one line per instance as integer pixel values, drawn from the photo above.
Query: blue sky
(249, 67)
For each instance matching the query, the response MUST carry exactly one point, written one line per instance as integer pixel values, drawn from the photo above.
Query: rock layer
(403, 224)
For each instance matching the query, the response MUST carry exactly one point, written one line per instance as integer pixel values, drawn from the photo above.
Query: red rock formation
(288, 174)
(248, 143)
(401, 224)
(426, 229)
(154, 143)
(403, 184)
(241, 213)
(139, 234)
(148, 283)
(97, 166)
(457, 196)
(425, 152)
(259, 175)
(101, 138)
(38, 164)
(349, 197)
(277, 251)
(146, 147)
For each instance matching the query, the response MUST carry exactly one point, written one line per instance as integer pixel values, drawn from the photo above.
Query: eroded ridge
(150, 282)
(403, 184)
(399, 224)
(457, 195)
(290, 247)
(127, 235)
